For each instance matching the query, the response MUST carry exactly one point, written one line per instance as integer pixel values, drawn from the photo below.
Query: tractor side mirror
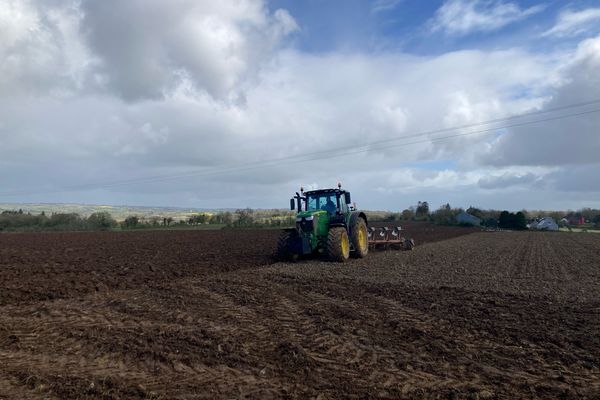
(292, 204)
(347, 198)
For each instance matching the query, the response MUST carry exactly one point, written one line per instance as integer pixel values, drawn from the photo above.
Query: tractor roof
(319, 191)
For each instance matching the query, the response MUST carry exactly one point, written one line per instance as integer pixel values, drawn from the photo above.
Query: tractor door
(343, 205)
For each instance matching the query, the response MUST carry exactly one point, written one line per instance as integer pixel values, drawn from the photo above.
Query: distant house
(467, 219)
(574, 220)
(532, 225)
(544, 224)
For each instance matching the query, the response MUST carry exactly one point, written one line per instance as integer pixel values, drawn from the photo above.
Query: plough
(385, 237)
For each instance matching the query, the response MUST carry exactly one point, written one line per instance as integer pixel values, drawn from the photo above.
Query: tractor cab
(334, 201)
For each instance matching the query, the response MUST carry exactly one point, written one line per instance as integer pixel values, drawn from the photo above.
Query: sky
(239, 103)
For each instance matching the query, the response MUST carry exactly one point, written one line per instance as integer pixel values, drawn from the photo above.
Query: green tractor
(327, 224)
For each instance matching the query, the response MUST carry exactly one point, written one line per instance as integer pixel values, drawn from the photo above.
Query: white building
(544, 224)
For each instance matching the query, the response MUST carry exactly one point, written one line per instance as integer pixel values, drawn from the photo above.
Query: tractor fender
(354, 217)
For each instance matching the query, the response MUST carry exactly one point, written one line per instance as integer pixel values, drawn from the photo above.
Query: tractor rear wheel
(360, 240)
(338, 244)
(285, 244)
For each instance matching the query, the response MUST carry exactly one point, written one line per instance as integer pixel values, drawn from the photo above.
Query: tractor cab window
(311, 203)
(327, 202)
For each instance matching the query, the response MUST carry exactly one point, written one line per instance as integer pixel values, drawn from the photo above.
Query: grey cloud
(569, 141)
(579, 178)
(506, 181)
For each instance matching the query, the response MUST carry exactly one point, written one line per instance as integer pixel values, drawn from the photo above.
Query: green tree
(101, 220)
(131, 222)
(65, 221)
(490, 222)
(520, 222)
(227, 218)
(245, 217)
(200, 219)
(422, 209)
(392, 217)
(444, 215)
(596, 221)
(505, 220)
(408, 214)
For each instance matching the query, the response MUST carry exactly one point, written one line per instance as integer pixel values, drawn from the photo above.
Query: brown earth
(206, 314)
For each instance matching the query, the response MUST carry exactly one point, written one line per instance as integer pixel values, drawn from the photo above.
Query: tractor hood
(312, 223)
(307, 214)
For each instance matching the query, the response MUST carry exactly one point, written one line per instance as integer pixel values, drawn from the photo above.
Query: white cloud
(39, 50)
(572, 23)
(300, 104)
(18, 19)
(148, 48)
(384, 5)
(462, 17)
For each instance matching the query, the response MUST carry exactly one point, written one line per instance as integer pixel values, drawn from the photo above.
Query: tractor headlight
(306, 224)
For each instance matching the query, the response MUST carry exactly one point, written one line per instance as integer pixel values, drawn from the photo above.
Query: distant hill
(121, 212)
(118, 212)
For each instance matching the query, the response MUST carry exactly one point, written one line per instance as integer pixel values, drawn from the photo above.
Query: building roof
(465, 217)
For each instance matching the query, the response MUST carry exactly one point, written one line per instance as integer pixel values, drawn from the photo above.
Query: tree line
(249, 218)
(19, 220)
(503, 219)
(242, 218)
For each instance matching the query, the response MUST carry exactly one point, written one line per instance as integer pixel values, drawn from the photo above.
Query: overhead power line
(332, 153)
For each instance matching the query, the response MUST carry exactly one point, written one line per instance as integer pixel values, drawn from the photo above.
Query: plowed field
(208, 314)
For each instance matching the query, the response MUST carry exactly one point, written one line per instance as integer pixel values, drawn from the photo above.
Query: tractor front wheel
(338, 244)
(285, 245)
(360, 239)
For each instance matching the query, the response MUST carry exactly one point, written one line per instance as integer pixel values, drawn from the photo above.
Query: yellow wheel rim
(362, 238)
(345, 245)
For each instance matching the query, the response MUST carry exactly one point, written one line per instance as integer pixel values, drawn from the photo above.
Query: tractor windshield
(321, 201)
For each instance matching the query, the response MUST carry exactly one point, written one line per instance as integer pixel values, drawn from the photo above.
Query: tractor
(327, 224)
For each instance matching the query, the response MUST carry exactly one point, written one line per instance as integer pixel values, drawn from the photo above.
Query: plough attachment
(385, 238)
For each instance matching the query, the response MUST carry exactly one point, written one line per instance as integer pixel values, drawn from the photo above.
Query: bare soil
(208, 314)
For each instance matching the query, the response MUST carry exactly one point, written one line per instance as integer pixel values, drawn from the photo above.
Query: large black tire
(360, 238)
(285, 246)
(338, 244)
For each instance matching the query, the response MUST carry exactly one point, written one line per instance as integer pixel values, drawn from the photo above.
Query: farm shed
(545, 224)
(466, 218)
